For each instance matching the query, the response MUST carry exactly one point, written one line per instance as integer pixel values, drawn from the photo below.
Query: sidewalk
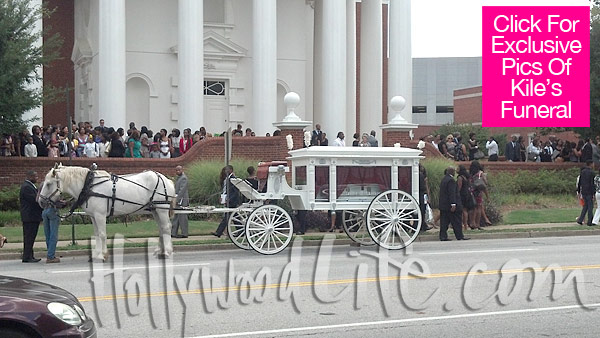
(518, 231)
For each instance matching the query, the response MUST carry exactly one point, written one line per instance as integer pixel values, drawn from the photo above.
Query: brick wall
(391, 137)
(60, 73)
(261, 149)
(467, 105)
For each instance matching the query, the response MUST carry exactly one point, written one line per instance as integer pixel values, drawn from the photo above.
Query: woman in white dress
(165, 144)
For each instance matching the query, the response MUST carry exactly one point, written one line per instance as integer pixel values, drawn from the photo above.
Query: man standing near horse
(31, 215)
(51, 222)
(230, 197)
(183, 200)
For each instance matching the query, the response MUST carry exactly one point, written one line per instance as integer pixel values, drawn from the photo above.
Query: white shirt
(339, 142)
(30, 150)
(492, 147)
(90, 149)
(102, 149)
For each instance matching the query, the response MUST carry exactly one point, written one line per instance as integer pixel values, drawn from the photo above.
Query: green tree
(594, 75)
(20, 57)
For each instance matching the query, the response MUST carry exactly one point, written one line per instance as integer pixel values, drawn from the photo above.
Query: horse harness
(87, 192)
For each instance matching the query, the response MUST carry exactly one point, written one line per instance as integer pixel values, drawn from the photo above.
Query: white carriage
(375, 189)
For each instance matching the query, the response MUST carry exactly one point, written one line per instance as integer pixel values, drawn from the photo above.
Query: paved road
(342, 291)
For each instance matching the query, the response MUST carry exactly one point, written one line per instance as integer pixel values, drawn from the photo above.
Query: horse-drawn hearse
(375, 189)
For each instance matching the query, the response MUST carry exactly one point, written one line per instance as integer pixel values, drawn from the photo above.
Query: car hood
(29, 289)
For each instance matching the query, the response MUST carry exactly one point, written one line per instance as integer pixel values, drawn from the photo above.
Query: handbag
(478, 155)
(478, 183)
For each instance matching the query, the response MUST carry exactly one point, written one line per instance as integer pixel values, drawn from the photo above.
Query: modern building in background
(434, 83)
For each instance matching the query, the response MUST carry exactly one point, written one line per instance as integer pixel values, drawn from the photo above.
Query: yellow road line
(329, 282)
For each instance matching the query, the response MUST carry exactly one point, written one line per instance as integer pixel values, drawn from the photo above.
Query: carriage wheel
(236, 229)
(355, 226)
(394, 219)
(269, 229)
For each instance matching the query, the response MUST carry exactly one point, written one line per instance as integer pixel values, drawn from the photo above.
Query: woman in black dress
(466, 196)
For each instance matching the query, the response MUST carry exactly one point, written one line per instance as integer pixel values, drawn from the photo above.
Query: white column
(350, 68)
(191, 64)
(318, 64)
(111, 54)
(334, 68)
(264, 66)
(400, 61)
(371, 66)
(37, 112)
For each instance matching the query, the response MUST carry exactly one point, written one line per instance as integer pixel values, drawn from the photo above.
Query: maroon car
(33, 309)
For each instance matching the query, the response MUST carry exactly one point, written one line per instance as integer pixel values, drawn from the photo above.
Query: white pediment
(217, 46)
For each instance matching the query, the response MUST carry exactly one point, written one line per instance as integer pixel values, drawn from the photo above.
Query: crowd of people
(102, 141)
(454, 147)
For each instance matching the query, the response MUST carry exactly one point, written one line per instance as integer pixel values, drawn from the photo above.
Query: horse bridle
(57, 191)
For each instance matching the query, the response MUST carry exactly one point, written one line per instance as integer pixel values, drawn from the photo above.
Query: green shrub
(9, 198)
(203, 179)
(435, 172)
(493, 213)
(10, 218)
(542, 182)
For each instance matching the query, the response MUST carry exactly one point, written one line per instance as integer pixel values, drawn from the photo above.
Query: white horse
(101, 194)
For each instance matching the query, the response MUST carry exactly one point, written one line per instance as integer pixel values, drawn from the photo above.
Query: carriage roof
(356, 153)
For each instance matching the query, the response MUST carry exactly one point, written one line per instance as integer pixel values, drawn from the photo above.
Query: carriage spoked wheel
(269, 229)
(393, 219)
(355, 226)
(236, 229)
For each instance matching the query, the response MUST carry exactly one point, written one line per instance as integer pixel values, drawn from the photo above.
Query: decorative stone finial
(397, 103)
(291, 101)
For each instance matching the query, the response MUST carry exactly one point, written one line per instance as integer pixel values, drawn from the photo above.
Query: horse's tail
(172, 207)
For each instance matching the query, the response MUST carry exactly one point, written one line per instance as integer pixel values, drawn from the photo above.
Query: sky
(443, 28)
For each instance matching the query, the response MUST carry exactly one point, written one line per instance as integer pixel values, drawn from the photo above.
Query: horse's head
(51, 189)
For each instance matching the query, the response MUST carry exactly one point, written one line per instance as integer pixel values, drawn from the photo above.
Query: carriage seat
(246, 189)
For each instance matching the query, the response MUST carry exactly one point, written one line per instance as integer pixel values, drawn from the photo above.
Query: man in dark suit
(183, 200)
(31, 216)
(232, 199)
(587, 152)
(586, 191)
(450, 207)
(317, 136)
(512, 150)
(38, 140)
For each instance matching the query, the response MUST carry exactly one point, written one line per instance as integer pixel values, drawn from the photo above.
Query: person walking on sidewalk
(230, 198)
(183, 200)
(450, 207)
(586, 191)
(31, 215)
(596, 219)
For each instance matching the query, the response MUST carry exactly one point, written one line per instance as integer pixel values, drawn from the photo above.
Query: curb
(312, 243)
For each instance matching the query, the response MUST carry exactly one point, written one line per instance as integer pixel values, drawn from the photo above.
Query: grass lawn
(132, 230)
(532, 216)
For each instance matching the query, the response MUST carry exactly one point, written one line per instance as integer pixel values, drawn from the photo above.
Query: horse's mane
(72, 175)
